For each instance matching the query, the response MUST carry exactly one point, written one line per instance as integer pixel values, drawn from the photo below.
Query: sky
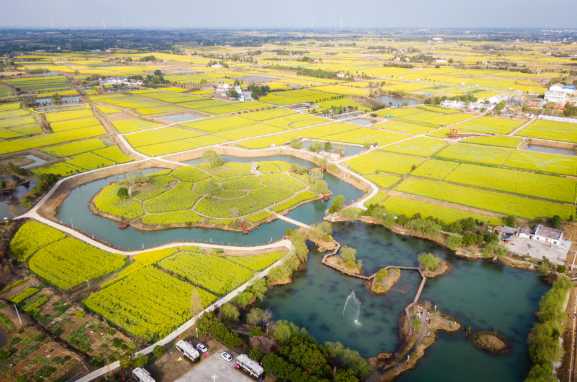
(243, 14)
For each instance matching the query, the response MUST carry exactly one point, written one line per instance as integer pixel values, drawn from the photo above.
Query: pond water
(10, 201)
(396, 100)
(116, 90)
(47, 74)
(60, 108)
(43, 101)
(185, 117)
(255, 79)
(37, 161)
(550, 150)
(75, 211)
(70, 99)
(348, 116)
(362, 122)
(349, 150)
(484, 294)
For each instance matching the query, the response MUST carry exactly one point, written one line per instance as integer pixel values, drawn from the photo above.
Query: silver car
(227, 357)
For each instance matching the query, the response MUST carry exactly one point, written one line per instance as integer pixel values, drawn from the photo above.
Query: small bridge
(292, 221)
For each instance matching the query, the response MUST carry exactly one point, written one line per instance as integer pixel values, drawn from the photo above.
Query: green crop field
(409, 207)
(517, 182)
(556, 164)
(70, 262)
(114, 154)
(435, 169)
(255, 200)
(384, 180)
(215, 274)
(381, 161)
(180, 197)
(477, 154)
(167, 134)
(248, 131)
(485, 200)
(31, 237)
(420, 146)
(405, 127)
(215, 124)
(556, 131)
(489, 125)
(439, 109)
(66, 115)
(176, 217)
(74, 124)
(74, 148)
(268, 114)
(89, 161)
(107, 201)
(511, 142)
(134, 125)
(364, 135)
(257, 263)
(10, 122)
(296, 121)
(50, 139)
(277, 140)
(298, 198)
(148, 303)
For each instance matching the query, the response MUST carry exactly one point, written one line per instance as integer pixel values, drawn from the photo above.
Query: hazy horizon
(299, 14)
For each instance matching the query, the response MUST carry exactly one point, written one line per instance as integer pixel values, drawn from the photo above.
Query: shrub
(256, 331)
(382, 274)
(428, 261)
(337, 204)
(229, 312)
(255, 354)
(122, 193)
(158, 351)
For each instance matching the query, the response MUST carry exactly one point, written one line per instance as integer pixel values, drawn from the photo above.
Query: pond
(253, 79)
(10, 201)
(184, 117)
(43, 101)
(484, 294)
(347, 116)
(75, 99)
(37, 161)
(396, 101)
(550, 150)
(349, 150)
(362, 121)
(47, 74)
(75, 211)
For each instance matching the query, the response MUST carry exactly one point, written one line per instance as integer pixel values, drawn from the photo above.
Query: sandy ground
(521, 246)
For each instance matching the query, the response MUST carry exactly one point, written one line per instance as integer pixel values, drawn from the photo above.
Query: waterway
(75, 212)
(550, 150)
(349, 150)
(484, 294)
(396, 101)
(10, 201)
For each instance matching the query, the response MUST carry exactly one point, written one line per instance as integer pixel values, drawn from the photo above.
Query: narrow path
(287, 219)
(522, 126)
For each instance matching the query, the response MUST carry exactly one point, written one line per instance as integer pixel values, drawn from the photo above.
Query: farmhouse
(525, 232)
(559, 94)
(457, 105)
(548, 235)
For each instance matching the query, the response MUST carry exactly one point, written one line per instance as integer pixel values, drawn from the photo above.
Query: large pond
(484, 294)
(550, 150)
(184, 117)
(396, 101)
(75, 211)
(10, 201)
(349, 150)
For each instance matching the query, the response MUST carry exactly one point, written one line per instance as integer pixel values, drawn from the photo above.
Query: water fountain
(357, 303)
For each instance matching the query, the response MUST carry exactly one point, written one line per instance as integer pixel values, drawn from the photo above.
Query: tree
(282, 333)
(212, 157)
(195, 303)
(158, 351)
(296, 143)
(256, 331)
(556, 221)
(257, 315)
(510, 221)
(315, 147)
(258, 288)
(122, 193)
(348, 253)
(229, 312)
(469, 238)
(366, 145)
(255, 354)
(500, 105)
(545, 268)
(233, 94)
(328, 146)
(454, 240)
(428, 261)
(345, 376)
(337, 204)
(158, 72)
(382, 274)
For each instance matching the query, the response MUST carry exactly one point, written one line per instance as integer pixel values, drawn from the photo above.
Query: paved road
(215, 365)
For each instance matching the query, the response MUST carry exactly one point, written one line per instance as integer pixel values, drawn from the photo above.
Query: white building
(340, 75)
(222, 89)
(120, 81)
(548, 235)
(457, 105)
(559, 94)
(440, 60)
(498, 98)
(216, 66)
(482, 103)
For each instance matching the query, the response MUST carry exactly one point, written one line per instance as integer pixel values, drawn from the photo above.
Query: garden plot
(386, 162)
(365, 135)
(556, 164)
(555, 131)
(435, 169)
(485, 200)
(477, 154)
(404, 127)
(420, 146)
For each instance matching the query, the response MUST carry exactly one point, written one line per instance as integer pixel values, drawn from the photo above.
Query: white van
(142, 375)
(187, 350)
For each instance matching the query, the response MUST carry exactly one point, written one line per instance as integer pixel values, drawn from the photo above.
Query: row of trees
(544, 346)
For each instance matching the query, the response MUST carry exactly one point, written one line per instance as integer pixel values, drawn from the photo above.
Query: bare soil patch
(492, 342)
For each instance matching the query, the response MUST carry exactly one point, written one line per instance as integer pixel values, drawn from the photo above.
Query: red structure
(123, 225)
(454, 133)
(244, 230)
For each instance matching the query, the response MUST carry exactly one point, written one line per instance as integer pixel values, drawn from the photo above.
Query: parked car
(561, 259)
(530, 246)
(227, 357)
(200, 347)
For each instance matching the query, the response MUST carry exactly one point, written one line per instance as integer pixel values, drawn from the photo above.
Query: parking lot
(215, 365)
(521, 246)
